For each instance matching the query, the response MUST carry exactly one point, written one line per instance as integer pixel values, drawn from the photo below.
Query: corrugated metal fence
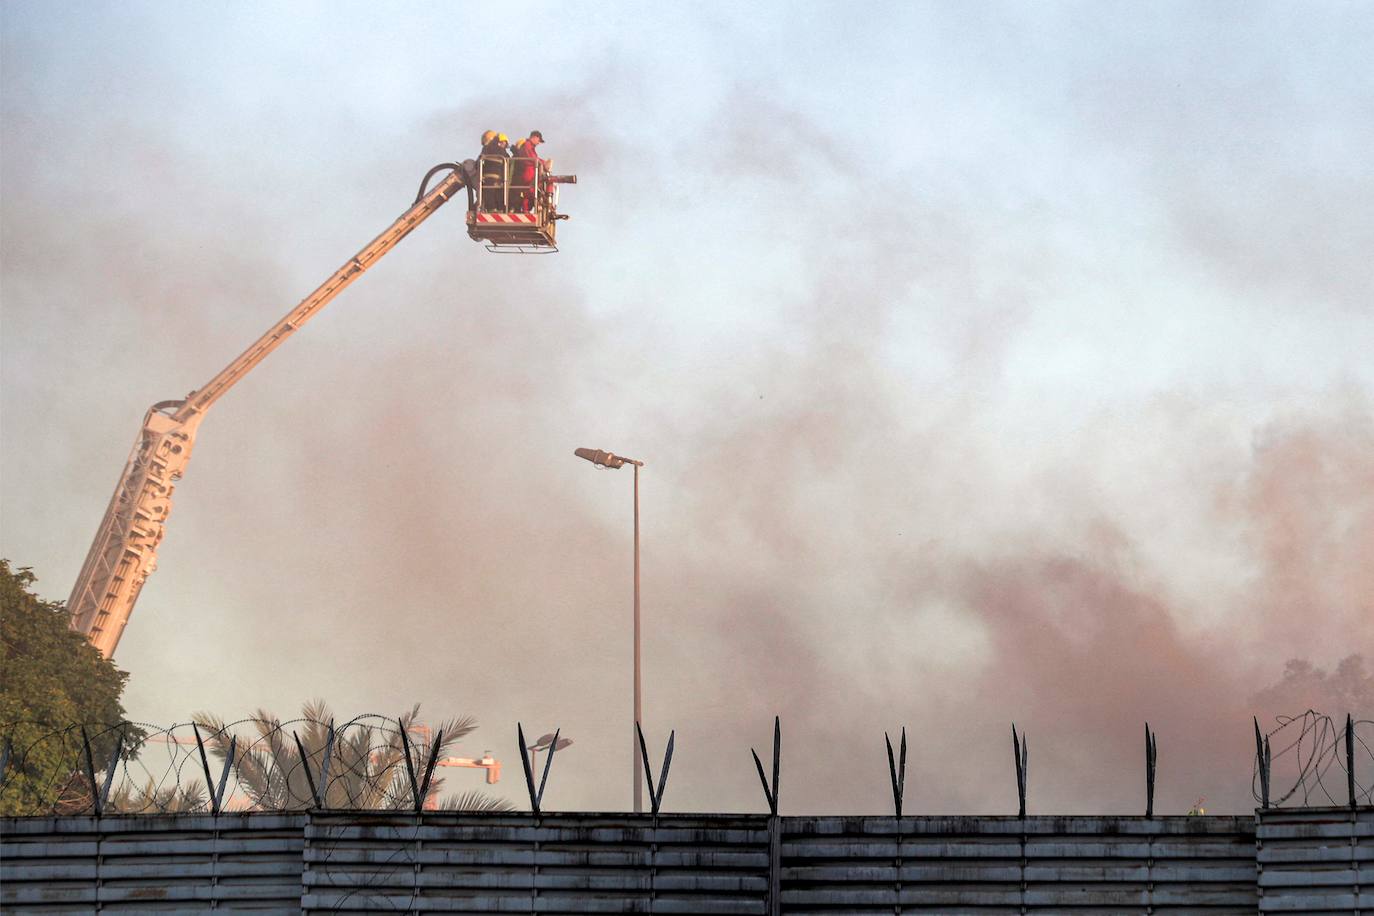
(187, 862)
(1290, 861)
(1010, 865)
(551, 863)
(1316, 860)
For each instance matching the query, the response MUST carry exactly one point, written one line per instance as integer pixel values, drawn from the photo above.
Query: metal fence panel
(551, 863)
(1316, 860)
(157, 862)
(1010, 865)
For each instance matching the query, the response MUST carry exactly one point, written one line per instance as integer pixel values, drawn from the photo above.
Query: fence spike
(525, 762)
(429, 769)
(410, 766)
(548, 762)
(767, 793)
(324, 767)
(305, 765)
(205, 768)
(777, 759)
(648, 767)
(1350, 758)
(663, 773)
(224, 774)
(90, 772)
(1020, 748)
(902, 762)
(1025, 767)
(110, 771)
(1268, 770)
(1262, 765)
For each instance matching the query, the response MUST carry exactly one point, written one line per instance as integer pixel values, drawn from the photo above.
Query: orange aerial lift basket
(514, 206)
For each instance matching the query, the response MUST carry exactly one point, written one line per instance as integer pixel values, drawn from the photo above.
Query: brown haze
(388, 511)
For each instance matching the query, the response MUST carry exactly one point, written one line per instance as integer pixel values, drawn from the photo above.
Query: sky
(991, 363)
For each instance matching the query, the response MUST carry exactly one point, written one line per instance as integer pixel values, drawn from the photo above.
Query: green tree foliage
(52, 680)
(367, 769)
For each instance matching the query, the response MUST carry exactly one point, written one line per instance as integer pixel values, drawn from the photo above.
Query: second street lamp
(608, 460)
(545, 743)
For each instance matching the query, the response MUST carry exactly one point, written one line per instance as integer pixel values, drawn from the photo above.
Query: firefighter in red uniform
(526, 168)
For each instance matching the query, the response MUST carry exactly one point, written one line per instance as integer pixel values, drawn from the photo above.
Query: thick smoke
(911, 457)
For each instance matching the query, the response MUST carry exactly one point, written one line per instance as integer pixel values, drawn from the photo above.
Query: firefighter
(495, 170)
(526, 167)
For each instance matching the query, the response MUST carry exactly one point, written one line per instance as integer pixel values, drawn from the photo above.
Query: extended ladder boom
(124, 551)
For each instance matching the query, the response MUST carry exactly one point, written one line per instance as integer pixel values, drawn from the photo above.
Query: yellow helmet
(502, 138)
(488, 136)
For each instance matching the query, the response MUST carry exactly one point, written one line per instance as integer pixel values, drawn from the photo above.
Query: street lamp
(608, 460)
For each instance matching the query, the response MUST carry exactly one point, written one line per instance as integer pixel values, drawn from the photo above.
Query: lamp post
(608, 460)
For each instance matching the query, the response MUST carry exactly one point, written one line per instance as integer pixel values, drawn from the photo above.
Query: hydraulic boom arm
(124, 552)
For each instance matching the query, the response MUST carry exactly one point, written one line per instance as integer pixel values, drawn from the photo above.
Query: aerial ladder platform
(124, 552)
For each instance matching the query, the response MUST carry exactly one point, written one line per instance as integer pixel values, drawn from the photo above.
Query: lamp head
(605, 459)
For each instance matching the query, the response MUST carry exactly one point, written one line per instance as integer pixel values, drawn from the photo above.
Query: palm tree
(366, 767)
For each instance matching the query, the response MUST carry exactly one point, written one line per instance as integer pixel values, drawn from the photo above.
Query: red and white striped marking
(507, 218)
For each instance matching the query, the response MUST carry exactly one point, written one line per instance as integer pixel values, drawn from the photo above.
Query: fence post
(1020, 751)
(1262, 760)
(1350, 757)
(1151, 757)
(897, 771)
(774, 865)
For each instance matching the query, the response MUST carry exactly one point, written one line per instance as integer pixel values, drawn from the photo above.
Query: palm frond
(366, 767)
(475, 801)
